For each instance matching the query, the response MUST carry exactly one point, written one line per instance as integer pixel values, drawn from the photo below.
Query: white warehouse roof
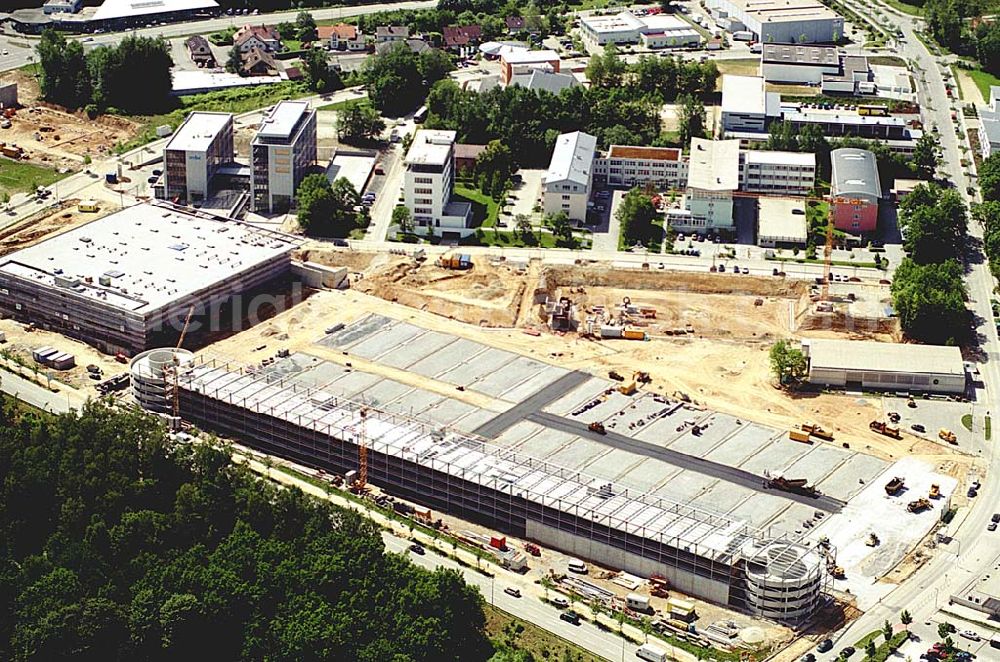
(112, 9)
(743, 94)
(884, 357)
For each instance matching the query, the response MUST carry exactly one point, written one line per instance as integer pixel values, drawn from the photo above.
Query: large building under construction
(716, 557)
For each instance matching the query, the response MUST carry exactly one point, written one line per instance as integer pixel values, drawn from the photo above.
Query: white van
(651, 653)
(560, 601)
(577, 566)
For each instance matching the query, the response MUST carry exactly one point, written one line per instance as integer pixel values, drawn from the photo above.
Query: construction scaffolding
(701, 553)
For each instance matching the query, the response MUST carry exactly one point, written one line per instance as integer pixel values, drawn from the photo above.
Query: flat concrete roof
(785, 10)
(112, 9)
(714, 165)
(816, 56)
(743, 94)
(782, 218)
(153, 254)
(884, 357)
(281, 121)
(431, 147)
(803, 159)
(198, 131)
(524, 56)
(622, 22)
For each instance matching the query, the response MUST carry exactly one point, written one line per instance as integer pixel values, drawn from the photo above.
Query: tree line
(987, 213)
(108, 77)
(953, 24)
(118, 544)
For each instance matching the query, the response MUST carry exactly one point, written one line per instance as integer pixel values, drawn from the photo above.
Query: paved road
(681, 460)
(972, 553)
(37, 396)
(495, 427)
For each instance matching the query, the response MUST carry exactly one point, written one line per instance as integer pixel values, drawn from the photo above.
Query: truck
(742, 35)
(893, 487)
(884, 428)
(455, 261)
(918, 505)
(872, 540)
(651, 653)
(795, 435)
(947, 435)
(817, 431)
(633, 334)
(935, 491)
(794, 485)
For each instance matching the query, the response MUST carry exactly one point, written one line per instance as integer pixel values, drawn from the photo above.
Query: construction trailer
(710, 556)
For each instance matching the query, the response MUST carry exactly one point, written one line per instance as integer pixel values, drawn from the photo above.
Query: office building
(781, 222)
(854, 190)
(126, 282)
(428, 184)
(989, 119)
(280, 155)
(516, 61)
(713, 176)
(746, 106)
(566, 186)
(780, 21)
(823, 66)
(194, 154)
(777, 173)
(625, 166)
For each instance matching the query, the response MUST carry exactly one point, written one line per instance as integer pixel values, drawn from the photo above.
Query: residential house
(466, 156)
(386, 33)
(457, 37)
(200, 51)
(259, 62)
(341, 37)
(518, 61)
(262, 37)
(416, 45)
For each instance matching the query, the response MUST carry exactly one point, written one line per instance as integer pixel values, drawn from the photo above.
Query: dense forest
(117, 544)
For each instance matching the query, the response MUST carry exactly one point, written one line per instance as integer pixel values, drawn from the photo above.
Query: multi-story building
(854, 190)
(61, 6)
(202, 144)
(428, 184)
(341, 37)
(780, 21)
(566, 186)
(777, 173)
(713, 176)
(280, 155)
(626, 166)
(826, 66)
(746, 106)
(989, 118)
(263, 37)
(516, 61)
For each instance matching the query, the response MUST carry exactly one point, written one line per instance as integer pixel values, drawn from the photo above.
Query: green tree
(788, 363)
(782, 137)
(988, 46)
(287, 30)
(930, 301)
(402, 218)
(887, 630)
(234, 61)
(523, 227)
(905, 618)
(136, 63)
(319, 75)
(494, 167)
(606, 69)
(935, 222)
(397, 80)
(65, 78)
(944, 22)
(327, 210)
(691, 119)
(925, 156)
(305, 27)
(359, 123)
(870, 649)
(561, 228)
(989, 177)
(636, 214)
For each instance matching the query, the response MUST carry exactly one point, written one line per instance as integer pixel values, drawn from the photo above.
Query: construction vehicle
(455, 261)
(615, 375)
(628, 388)
(795, 435)
(641, 377)
(795, 485)
(884, 428)
(816, 431)
(633, 334)
(597, 427)
(360, 483)
(893, 487)
(935, 491)
(919, 505)
(911, 404)
(873, 540)
(948, 435)
(532, 549)
(658, 585)
(836, 572)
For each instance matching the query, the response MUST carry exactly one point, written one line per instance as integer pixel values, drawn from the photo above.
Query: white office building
(566, 186)
(656, 31)
(281, 154)
(713, 176)
(201, 144)
(989, 118)
(780, 21)
(428, 184)
(777, 173)
(627, 166)
(746, 107)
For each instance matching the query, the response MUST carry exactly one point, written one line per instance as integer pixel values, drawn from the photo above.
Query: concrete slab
(723, 497)
(356, 331)
(418, 348)
(821, 461)
(750, 439)
(544, 443)
(686, 486)
(761, 510)
(610, 465)
(417, 401)
(579, 396)
(518, 432)
(577, 455)
(514, 373)
(448, 411)
(472, 420)
(852, 476)
(663, 431)
(776, 456)
(385, 394)
(467, 369)
(647, 475)
(545, 375)
(791, 520)
(444, 359)
(386, 341)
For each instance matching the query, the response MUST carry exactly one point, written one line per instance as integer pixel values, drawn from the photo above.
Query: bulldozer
(641, 377)
(597, 427)
(947, 435)
(628, 388)
(935, 491)
(893, 487)
(873, 540)
(918, 505)
(817, 431)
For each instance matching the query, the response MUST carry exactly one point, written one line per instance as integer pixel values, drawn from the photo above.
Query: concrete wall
(794, 73)
(613, 557)
(319, 276)
(8, 95)
(895, 381)
(818, 31)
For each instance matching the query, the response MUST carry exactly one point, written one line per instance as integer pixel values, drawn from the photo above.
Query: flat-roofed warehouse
(780, 21)
(885, 366)
(125, 282)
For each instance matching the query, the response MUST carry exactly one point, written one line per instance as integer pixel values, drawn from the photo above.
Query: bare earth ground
(43, 226)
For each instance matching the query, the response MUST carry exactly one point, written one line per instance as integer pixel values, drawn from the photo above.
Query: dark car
(417, 549)
(846, 652)
(917, 427)
(570, 617)
(808, 657)
(825, 645)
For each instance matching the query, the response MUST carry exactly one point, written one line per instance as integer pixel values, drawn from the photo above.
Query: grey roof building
(855, 174)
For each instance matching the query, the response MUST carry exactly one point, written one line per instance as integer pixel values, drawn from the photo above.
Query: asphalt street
(494, 427)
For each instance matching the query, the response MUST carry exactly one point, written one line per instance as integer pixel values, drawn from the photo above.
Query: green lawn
(346, 103)
(484, 208)
(912, 10)
(17, 176)
(983, 80)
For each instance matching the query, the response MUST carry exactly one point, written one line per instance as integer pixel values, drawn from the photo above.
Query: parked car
(417, 549)
(560, 601)
(570, 617)
(917, 427)
(825, 645)
(846, 652)
(971, 635)
(992, 526)
(510, 590)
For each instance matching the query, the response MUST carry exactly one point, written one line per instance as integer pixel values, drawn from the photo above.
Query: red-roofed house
(264, 37)
(341, 37)
(457, 36)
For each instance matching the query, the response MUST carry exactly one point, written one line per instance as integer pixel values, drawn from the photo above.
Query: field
(983, 80)
(899, 5)
(17, 176)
